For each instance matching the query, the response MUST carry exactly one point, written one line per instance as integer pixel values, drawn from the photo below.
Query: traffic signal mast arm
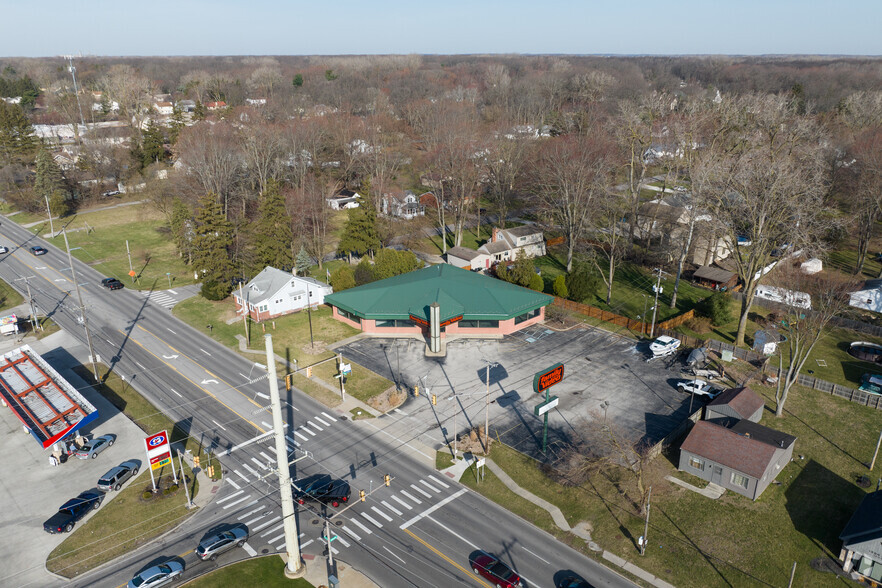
(387, 479)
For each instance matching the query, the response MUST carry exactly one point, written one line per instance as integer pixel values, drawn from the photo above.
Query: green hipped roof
(457, 291)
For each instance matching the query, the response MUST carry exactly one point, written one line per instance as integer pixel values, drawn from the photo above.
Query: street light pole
(73, 276)
(49, 212)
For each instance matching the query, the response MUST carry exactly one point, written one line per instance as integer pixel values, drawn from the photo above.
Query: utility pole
(659, 272)
(73, 74)
(646, 524)
(49, 212)
(245, 313)
(484, 441)
(876, 453)
(295, 568)
(30, 302)
(73, 276)
(131, 269)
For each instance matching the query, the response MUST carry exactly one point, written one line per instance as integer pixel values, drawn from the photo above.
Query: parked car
(116, 477)
(112, 284)
(3, 249)
(92, 447)
(73, 510)
(160, 575)
(37, 250)
(497, 572)
(322, 488)
(664, 345)
(211, 547)
(699, 388)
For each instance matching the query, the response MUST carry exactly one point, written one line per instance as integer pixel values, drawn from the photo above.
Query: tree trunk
(680, 263)
(570, 247)
(609, 283)
(742, 320)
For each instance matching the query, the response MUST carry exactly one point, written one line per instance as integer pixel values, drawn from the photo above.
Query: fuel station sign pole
(158, 454)
(542, 381)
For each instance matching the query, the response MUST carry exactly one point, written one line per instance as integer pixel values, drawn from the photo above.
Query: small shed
(766, 341)
(869, 297)
(736, 403)
(715, 278)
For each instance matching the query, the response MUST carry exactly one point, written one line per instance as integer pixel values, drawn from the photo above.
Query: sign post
(158, 454)
(542, 381)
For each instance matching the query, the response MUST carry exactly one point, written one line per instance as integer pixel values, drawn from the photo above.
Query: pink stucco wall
(505, 327)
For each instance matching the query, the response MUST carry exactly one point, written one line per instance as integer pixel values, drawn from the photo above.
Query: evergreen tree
(390, 262)
(537, 283)
(364, 272)
(302, 262)
(360, 235)
(49, 182)
(182, 229)
(560, 286)
(581, 283)
(297, 81)
(342, 278)
(17, 140)
(273, 236)
(153, 145)
(177, 123)
(212, 238)
(199, 111)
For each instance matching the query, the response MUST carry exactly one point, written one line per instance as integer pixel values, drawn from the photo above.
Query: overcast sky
(294, 27)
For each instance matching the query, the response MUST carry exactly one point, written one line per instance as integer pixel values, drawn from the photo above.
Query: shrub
(717, 308)
(147, 495)
(364, 272)
(212, 290)
(560, 286)
(343, 278)
(699, 324)
(581, 283)
(166, 491)
(537, 283)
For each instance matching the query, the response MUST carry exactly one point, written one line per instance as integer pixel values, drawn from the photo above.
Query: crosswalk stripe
(381, 513)
(355, 522)
(421, 491)
(390, 507)
(322, 422)
(307, 430)
(251, 470)
(341, 541)
(273, 530)
(249, 513)
(233, 484)
(249, 550)
(350, 533)
(266, 524)
(259, 463)
(254, 520)
(430, 487)
(312, 424)
(402, 503)
(334, 550)
(274, 539)
(238, 473)
(329, 417)
(243, 499)
(302, 545)
(368, 517)
(439, 482)
(225, 498)
(296, 444)
(304, 437)
(265, 456)
(417, 500)
(266, 424)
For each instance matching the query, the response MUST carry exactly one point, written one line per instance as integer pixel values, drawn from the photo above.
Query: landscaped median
(696, 541)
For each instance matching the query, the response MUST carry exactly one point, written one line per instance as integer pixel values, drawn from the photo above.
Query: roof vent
(747, 435)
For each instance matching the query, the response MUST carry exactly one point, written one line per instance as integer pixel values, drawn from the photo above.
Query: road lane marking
(402, 503)
(534, 555)
(304, 437)
(254, 520)
(307, 430)
(266, 524)
(139, 365)
(393, 555)
(449, 530)
(322, 422)
(364, 528)
(439, 482)
(350, 533)
(262, 395)
(238, 473)
(420, 490)
(312, 424)
(246, 443)
(232, 483)
(176, 392)
(371, 519)
(259, 463)
(415, 499)
(247, 379)
(432, 509)
(273, 530)
(232, 504)
(170, 331)
(205, 352)
(430, 487)
(251, 470)
(267, 425)
(329, 417)
(296, 444)
(249, 550)
(381, 513)
(249, 513)
(450, 561)
(390, 507)
(218, 424)
(225, 498)
(265, 456)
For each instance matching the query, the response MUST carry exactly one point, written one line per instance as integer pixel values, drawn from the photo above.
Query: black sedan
(37, 250)
(321, 488)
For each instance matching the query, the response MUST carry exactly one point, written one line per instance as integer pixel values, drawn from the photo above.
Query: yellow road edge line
(477, 579)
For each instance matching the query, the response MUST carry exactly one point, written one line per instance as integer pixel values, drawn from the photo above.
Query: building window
(527, 316)
(391, 323)
(696, 463)
(349, 315)
(475, 324)
(263, 308)
(739, 480)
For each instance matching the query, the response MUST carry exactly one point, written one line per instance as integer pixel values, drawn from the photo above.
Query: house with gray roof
(735, 404)
(273, 293)
(862, 540)
(504, 245)
(869, 297)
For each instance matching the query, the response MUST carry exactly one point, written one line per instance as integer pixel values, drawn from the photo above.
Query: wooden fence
(622, 321)
(555, 241)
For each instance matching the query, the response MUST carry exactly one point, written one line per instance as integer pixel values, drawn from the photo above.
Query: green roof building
(468, 303)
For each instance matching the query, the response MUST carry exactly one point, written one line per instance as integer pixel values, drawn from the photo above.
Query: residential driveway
(31, 491)
(600, 368)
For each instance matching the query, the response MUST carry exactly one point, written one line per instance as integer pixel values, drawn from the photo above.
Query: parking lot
(606, 376)
(31, 490)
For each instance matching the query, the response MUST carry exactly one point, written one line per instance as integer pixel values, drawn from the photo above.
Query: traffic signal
(288, 382)
(195, 461)
(416, 390)
(361, 495)
(434, 400)
(387, 479)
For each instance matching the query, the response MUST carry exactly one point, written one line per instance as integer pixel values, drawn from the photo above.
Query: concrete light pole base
(292, 575)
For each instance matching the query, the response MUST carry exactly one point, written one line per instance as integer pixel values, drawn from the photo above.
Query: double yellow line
(450, 561)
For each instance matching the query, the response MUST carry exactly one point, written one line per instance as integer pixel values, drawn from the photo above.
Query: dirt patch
(317, 348)
(387, 400)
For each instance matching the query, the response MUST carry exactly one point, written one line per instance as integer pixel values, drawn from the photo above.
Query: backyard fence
(623, 321)
(555, 241)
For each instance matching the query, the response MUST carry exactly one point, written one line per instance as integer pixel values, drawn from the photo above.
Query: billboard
(548, 378)
(158, 450)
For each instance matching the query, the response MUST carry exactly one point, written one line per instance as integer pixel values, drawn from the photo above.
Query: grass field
(266, 572)
(694, 541)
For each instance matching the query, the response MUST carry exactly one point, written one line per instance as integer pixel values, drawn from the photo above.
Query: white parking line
(430, 487)
(329, 417)
(439, 482)
(312, 424)
(251, 470)
(322, 422)
(355, 522)
(243, 499)
(432, 509)
(238, 473)
(225, 498)
(249, 550)
(402, 503)
(350, 533)
(381, 513)
(232, 483)
(305, 429)
(249, 513)
(273, 530)
(304, 437)
(390, 507)
(368, 517)
(417, 500)
(266, 524)
(259, 463)
(421, 491)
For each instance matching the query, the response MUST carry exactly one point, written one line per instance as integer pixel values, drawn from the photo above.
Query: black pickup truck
(73, 510)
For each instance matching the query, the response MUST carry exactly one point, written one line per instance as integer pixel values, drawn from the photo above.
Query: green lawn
(266, 572)
(694, 541)
(9, 297)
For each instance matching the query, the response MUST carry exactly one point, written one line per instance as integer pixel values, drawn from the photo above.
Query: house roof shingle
(713, 274)
(463, 253)
(866, 522)
(763, 434)
(743, 400)
(718, 444)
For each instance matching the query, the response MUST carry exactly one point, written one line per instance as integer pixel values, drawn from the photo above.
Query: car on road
(112, 284)
(37, 250)
(159, 575)
(573, 582)
(322, 488)
(211, 547)
(3, 249)
(699, 388)
(92, 447)
(116, 477)
(497, 572)
(73, 510)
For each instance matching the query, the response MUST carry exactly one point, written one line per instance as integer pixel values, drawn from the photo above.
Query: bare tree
(211, 155)
(265, 80)
(505, 167)
(606, 221)
(861, 178)
(195, 83)
(309, 210)
(263, 149)
(132, 90)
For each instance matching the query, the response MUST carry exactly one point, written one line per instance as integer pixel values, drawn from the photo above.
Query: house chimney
(495, 235)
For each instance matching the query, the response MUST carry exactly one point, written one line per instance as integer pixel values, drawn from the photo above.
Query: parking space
(31, 490)
(606, 376)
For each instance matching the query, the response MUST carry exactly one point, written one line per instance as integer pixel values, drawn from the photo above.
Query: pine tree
(273, 236)
(212, 238)
(199, 111)
(342, 278)
(303, 261)
(177, 123)
(181, 224)
(153, 145)
(49, 182)
(360, 235)
(17, 140)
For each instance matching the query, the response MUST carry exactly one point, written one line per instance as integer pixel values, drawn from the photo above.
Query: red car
(496, 571)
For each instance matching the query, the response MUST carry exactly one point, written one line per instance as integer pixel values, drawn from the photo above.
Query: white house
(256, 101)
(344, 199)
(273, 293)
(163, 107)
(405, 205)
(504, 245)
(869, 297)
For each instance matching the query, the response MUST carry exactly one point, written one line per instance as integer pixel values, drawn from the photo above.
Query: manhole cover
(315, 522)
(264, 550)
(338, 523)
